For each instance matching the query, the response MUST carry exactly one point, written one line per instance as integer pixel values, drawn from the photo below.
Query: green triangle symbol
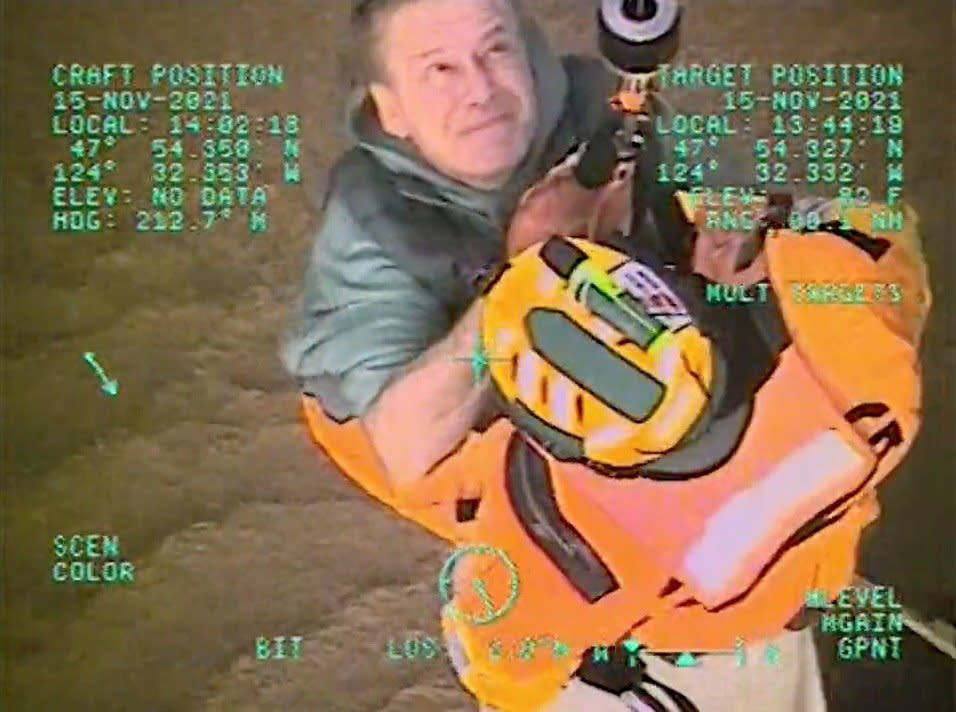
(631, 645)
(686, 660)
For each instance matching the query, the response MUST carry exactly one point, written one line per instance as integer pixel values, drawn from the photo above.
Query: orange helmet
(594, 355)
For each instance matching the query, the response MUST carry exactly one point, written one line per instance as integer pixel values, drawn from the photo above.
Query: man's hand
(558, 205)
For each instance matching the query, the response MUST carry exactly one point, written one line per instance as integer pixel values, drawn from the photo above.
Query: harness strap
(532, 496)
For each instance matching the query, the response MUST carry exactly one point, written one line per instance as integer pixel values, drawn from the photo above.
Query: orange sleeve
(431, 501)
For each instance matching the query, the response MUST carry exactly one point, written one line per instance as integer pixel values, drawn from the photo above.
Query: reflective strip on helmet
(742, 535)
(669, 358)
(608, 437)
(528, 373)
(548, 283)
(562, 402)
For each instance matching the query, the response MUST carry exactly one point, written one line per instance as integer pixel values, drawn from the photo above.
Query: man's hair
(368, 20)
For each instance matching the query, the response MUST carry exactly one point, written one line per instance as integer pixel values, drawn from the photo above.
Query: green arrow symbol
(109, 387)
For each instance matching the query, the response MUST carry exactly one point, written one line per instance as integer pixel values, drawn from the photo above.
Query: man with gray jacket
(466, 108)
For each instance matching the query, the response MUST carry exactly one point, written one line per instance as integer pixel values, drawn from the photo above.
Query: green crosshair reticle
(492, 611)
(479, 359)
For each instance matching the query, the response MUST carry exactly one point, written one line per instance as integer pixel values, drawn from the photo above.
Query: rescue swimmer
(656, 467)
(614, 419)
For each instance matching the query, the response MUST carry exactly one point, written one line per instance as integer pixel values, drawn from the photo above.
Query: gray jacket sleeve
(361, 318)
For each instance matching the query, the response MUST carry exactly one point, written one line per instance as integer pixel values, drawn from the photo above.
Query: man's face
(459, 87)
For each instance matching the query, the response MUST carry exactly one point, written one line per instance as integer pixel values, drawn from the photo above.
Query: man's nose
(479, 84)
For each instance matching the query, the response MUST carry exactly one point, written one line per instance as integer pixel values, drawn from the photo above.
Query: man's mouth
(487, 123)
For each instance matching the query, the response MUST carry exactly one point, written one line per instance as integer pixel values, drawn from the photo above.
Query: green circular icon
(488, 611)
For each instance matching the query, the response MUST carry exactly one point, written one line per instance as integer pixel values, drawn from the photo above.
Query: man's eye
(440, 68)
(501, 48)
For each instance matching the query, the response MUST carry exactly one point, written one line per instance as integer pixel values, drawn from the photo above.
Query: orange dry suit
(677, 557)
